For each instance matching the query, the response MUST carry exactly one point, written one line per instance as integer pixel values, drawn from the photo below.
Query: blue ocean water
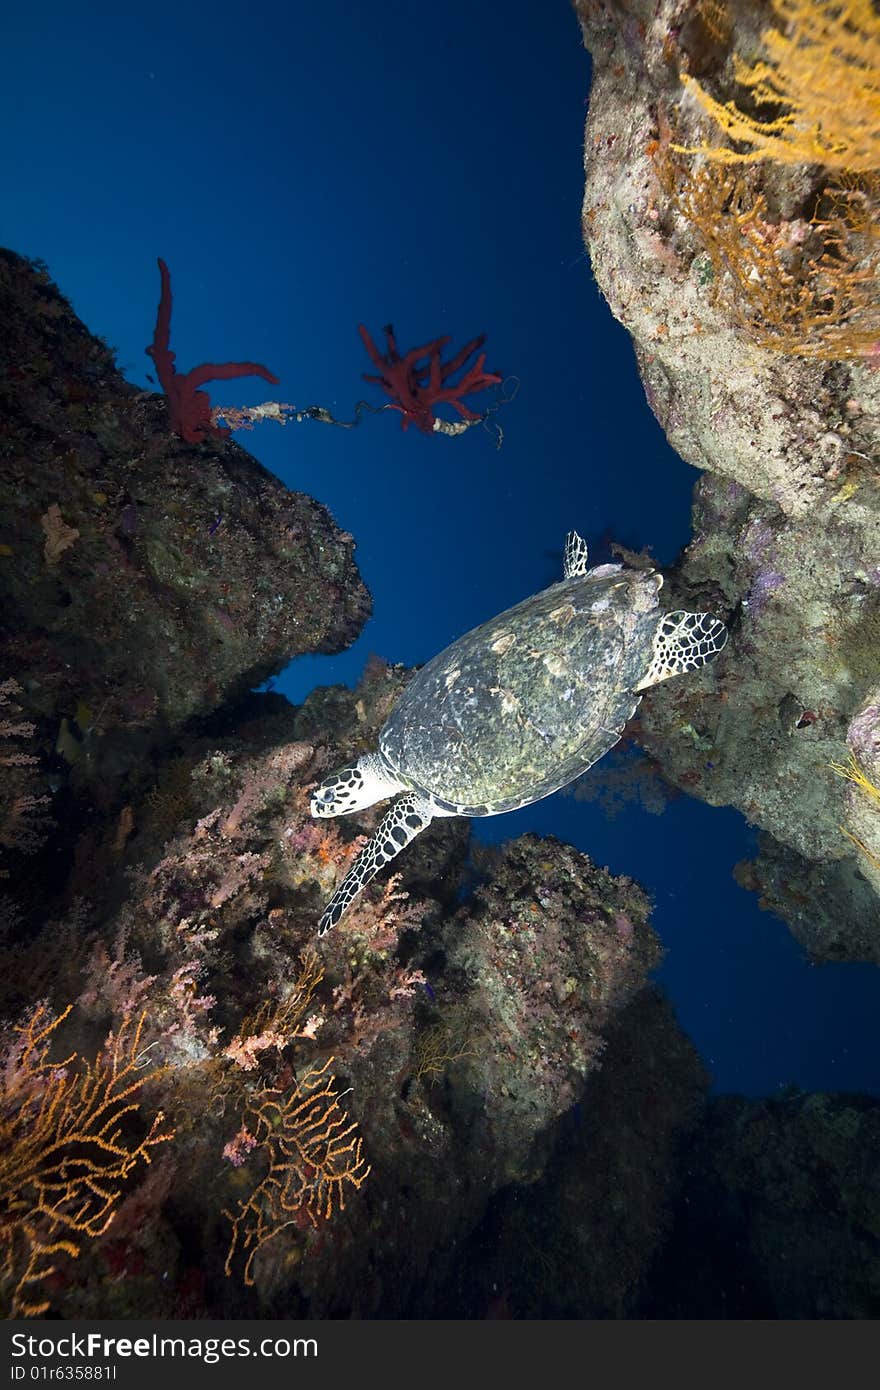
(305, 168)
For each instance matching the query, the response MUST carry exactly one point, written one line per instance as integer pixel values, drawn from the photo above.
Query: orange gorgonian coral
(807, 287)
(822, 71)
(312, 1150)
(67, 1145)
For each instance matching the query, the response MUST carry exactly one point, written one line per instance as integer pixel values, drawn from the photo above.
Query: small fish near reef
(517, 708)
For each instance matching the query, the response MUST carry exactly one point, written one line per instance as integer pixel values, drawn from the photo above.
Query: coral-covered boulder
(143, 580)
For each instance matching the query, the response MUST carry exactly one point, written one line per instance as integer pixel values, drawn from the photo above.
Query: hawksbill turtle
(516, 708)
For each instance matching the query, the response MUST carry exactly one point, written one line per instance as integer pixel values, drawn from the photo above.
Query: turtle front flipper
(683, 642)
(400, 824)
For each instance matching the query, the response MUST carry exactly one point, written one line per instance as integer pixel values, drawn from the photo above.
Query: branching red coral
(417, 381)
(190, 408)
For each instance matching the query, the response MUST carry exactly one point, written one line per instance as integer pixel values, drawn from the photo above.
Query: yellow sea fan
(853, 773)
(825, 68)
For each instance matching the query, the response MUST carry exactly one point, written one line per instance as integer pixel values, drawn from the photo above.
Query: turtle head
(339, 793)
(351, 788)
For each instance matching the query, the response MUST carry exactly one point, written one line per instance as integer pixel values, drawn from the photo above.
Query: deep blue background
(305, 167)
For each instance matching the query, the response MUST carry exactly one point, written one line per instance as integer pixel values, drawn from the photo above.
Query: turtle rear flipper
(574, 560)
(683, 642)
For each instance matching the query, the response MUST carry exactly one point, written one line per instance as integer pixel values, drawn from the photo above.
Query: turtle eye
(322, 799)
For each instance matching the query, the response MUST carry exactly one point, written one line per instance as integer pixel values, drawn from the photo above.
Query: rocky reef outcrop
(144, 581)
(749, 288)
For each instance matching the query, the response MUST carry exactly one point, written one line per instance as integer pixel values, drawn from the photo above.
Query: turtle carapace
(516, 708)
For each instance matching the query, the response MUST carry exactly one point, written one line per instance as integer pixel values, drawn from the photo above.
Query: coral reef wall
(467, 1100)
(302, 1125)
(749, 286)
